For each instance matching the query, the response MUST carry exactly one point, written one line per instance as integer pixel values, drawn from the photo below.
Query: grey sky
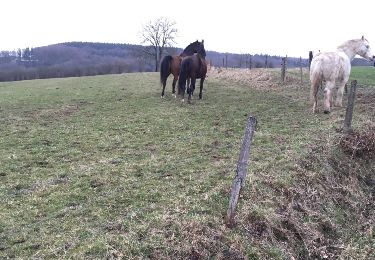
(288, 27)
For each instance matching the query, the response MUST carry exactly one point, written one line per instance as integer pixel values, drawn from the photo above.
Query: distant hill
(72, 59)
(75, 59)
(362, 62)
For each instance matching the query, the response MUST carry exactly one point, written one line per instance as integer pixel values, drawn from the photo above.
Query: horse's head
(194, 47)
(201, 51)
(364, 49)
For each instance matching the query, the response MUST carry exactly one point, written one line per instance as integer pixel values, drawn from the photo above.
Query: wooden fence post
(300, 66)
(310, 58)
(157, 59)
(349, 109)
(283, 68)
(239, 180)
(250, 62)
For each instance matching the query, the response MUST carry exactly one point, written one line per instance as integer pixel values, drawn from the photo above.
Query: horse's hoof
(183, 100)
(326, 111)
(174, 95)
(161, 97)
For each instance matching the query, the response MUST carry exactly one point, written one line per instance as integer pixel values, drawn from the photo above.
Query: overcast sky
(288, 27)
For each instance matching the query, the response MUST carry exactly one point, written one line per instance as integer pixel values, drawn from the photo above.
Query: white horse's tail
(316, 79)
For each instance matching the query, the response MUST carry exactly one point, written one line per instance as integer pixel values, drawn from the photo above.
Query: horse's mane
(344, 45)
(190, 49)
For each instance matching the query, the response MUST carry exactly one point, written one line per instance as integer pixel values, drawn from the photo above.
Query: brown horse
(171, 64)
(192, 68)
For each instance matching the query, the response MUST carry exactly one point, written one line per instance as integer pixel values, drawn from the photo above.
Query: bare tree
(158, 34)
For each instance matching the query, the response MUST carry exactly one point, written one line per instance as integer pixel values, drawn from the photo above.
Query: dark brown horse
(171, 64)
(192, 68)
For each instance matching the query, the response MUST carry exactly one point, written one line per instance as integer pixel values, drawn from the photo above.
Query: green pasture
(102, 167)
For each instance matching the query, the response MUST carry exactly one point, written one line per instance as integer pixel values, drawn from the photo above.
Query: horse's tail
(165, 68)
(184, 72)
(315, 78)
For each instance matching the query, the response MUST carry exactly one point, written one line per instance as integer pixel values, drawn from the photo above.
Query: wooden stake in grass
(239, 180)
(300, 67)
(310, 58)
(284, 63)
(350, 107)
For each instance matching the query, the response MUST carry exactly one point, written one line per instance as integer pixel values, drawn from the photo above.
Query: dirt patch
(360, 143)
(205, 241)
(66, 111)
(193, 240)
(332, 191)
(366, 96)
(58, 113)
(332, 200)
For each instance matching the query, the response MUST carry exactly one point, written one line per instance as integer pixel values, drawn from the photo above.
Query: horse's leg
(314, 94)
(201, 87)
(174, 85)
(340, 93)
(328, 96)
(164, 82)
(183, 92)
(191, 88)
(188, 84)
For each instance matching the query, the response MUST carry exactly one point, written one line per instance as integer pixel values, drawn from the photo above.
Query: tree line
(72, 59)
(76, 59)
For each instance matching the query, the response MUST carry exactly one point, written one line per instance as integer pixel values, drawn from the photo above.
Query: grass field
(365, 75)
(101, 167)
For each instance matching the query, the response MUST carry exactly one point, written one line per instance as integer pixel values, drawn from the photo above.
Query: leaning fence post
(239, 180)
(349, 109)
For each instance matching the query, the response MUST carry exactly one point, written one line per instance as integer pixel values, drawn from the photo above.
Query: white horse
(334, 67)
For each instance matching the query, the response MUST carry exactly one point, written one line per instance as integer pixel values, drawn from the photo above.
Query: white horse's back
(330, 66)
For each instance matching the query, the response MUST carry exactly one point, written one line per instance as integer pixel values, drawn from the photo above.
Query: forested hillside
(72, 60)
(75, 59)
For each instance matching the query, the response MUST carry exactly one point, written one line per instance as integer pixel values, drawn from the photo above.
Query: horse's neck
(185, 53)
(188, 51)
(350, 51)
